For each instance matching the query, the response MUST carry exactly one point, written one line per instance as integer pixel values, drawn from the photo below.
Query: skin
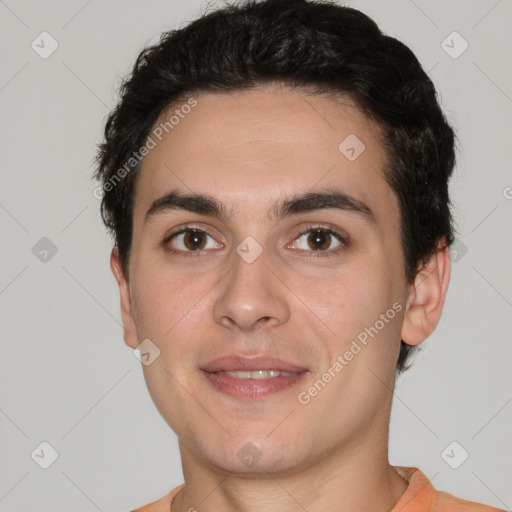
(250, 150)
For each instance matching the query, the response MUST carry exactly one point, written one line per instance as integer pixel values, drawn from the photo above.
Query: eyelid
(328, 228)
(188, 227)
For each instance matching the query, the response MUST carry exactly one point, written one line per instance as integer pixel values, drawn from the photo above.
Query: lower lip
(251, 388)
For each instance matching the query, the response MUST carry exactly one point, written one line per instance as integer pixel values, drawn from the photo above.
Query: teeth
(258, 374)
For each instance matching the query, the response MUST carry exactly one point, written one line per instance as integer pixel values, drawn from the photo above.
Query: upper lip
(236, 362)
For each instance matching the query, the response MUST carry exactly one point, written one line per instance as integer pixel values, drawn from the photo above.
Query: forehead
(251, 147)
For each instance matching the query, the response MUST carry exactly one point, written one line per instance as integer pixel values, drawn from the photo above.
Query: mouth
(252, 378)
(259, 374)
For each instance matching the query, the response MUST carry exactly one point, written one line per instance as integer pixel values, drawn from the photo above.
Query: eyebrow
(205, 204)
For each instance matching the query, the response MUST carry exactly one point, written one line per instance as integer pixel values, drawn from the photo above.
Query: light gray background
(66, 376)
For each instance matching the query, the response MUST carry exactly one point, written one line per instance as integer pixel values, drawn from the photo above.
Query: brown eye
(189, 242)
(319, 240)
(194, 240)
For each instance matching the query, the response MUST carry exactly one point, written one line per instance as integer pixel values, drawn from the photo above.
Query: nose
(252, 296)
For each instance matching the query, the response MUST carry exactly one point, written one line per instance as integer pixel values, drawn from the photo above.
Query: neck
(348, 478)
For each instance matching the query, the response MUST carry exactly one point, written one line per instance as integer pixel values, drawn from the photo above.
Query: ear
(426, 299)
(130, 330)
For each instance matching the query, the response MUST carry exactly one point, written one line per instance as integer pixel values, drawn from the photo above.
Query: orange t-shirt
(420, 496)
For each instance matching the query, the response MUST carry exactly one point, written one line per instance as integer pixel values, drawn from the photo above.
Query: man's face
(287, 291)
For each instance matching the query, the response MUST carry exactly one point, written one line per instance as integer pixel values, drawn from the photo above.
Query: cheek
(159, 301)
(364, 319)
(169, 306)
(347, 302)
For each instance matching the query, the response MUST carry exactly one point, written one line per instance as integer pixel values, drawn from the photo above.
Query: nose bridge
(251, 294)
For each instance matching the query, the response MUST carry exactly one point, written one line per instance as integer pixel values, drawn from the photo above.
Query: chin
(253, 457)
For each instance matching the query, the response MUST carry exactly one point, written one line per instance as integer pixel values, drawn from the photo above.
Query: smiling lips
(252, 378)
(258, 374)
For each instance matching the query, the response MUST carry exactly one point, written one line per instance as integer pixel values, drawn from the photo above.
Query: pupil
(319, 240)
(194, 238)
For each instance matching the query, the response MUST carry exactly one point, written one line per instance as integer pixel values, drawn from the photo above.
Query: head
(220, 128)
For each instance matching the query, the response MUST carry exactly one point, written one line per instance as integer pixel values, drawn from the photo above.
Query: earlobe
(129, 328)
(426, 298)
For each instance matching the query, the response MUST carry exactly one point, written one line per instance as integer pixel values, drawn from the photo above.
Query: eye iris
(194, 237)
(320, 240)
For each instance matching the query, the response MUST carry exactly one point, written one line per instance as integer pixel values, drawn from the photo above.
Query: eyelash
(314, 254)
